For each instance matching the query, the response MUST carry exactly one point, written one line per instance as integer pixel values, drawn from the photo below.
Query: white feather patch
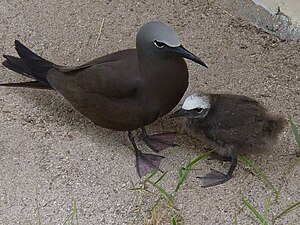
(196, 101)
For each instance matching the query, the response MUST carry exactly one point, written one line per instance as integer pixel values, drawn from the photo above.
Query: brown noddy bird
(232, 124)
(124, 90)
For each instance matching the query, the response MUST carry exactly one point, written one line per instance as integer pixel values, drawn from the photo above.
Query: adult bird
(124, 90)
(232, 124)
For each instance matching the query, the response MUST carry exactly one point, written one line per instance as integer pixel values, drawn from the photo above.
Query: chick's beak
(179, 113)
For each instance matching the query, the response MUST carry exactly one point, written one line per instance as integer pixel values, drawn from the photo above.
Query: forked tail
(29, 64)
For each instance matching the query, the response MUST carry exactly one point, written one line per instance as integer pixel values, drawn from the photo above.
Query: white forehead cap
(196, 101)
(158, 31)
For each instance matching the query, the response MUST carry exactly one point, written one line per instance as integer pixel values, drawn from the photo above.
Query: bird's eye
(198, 110)
(159, 44)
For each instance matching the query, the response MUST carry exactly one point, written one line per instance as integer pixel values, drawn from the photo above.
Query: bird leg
(216, 156)
(158, 142)
(215, 177)
(145, 163)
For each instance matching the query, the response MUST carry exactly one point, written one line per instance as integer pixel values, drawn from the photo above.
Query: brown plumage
(125, 90)
(232, 124)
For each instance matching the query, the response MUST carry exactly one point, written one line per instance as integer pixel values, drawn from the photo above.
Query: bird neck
(164, 79)
(168, 66)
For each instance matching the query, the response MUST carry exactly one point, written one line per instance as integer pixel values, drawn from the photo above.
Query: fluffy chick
(232, 124)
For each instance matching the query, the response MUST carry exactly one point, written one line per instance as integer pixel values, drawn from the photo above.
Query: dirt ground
(53, 156)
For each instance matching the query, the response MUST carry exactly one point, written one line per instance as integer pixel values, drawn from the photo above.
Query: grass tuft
(290, 167)
(166, 198)
(38, 221)
(163, 192)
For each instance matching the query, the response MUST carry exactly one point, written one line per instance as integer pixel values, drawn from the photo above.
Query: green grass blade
(151, 175)
(72, 216)
(180, 172)
(156, 203)
(293, 164)
(295, 131)
(255, 212)
(235, 222)
(161, 177)
(182, 177)
(38, 213)
(190, 164)
(262, 176)
(289, 169)
(162, 191)
(174, 221)
(183, 172)
(268, 204)
(286, 211)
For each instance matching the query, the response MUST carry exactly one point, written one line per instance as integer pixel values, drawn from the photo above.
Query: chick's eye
(198, 110)
(159, 44)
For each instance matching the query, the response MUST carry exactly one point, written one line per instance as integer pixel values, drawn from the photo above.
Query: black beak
(181, 51)
(179, 113)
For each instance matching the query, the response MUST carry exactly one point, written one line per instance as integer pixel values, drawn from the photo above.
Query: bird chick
(232, 124)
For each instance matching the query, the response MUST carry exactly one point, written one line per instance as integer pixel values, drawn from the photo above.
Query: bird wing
(237, 120)
(112, 76)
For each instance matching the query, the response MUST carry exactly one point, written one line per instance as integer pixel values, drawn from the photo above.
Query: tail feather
(29, 64)
(279, 123)
(30, 84)
(17, 65)
(32, 60)
(276, 125)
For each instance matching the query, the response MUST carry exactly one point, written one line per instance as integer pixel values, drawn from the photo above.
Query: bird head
(195, 106)
(159, 39)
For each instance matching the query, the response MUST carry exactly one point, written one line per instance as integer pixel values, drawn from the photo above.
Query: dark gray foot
(147, 163)
(159, 142)
(214, 178)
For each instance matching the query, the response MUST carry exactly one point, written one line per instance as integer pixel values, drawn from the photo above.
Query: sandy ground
(49, 151)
